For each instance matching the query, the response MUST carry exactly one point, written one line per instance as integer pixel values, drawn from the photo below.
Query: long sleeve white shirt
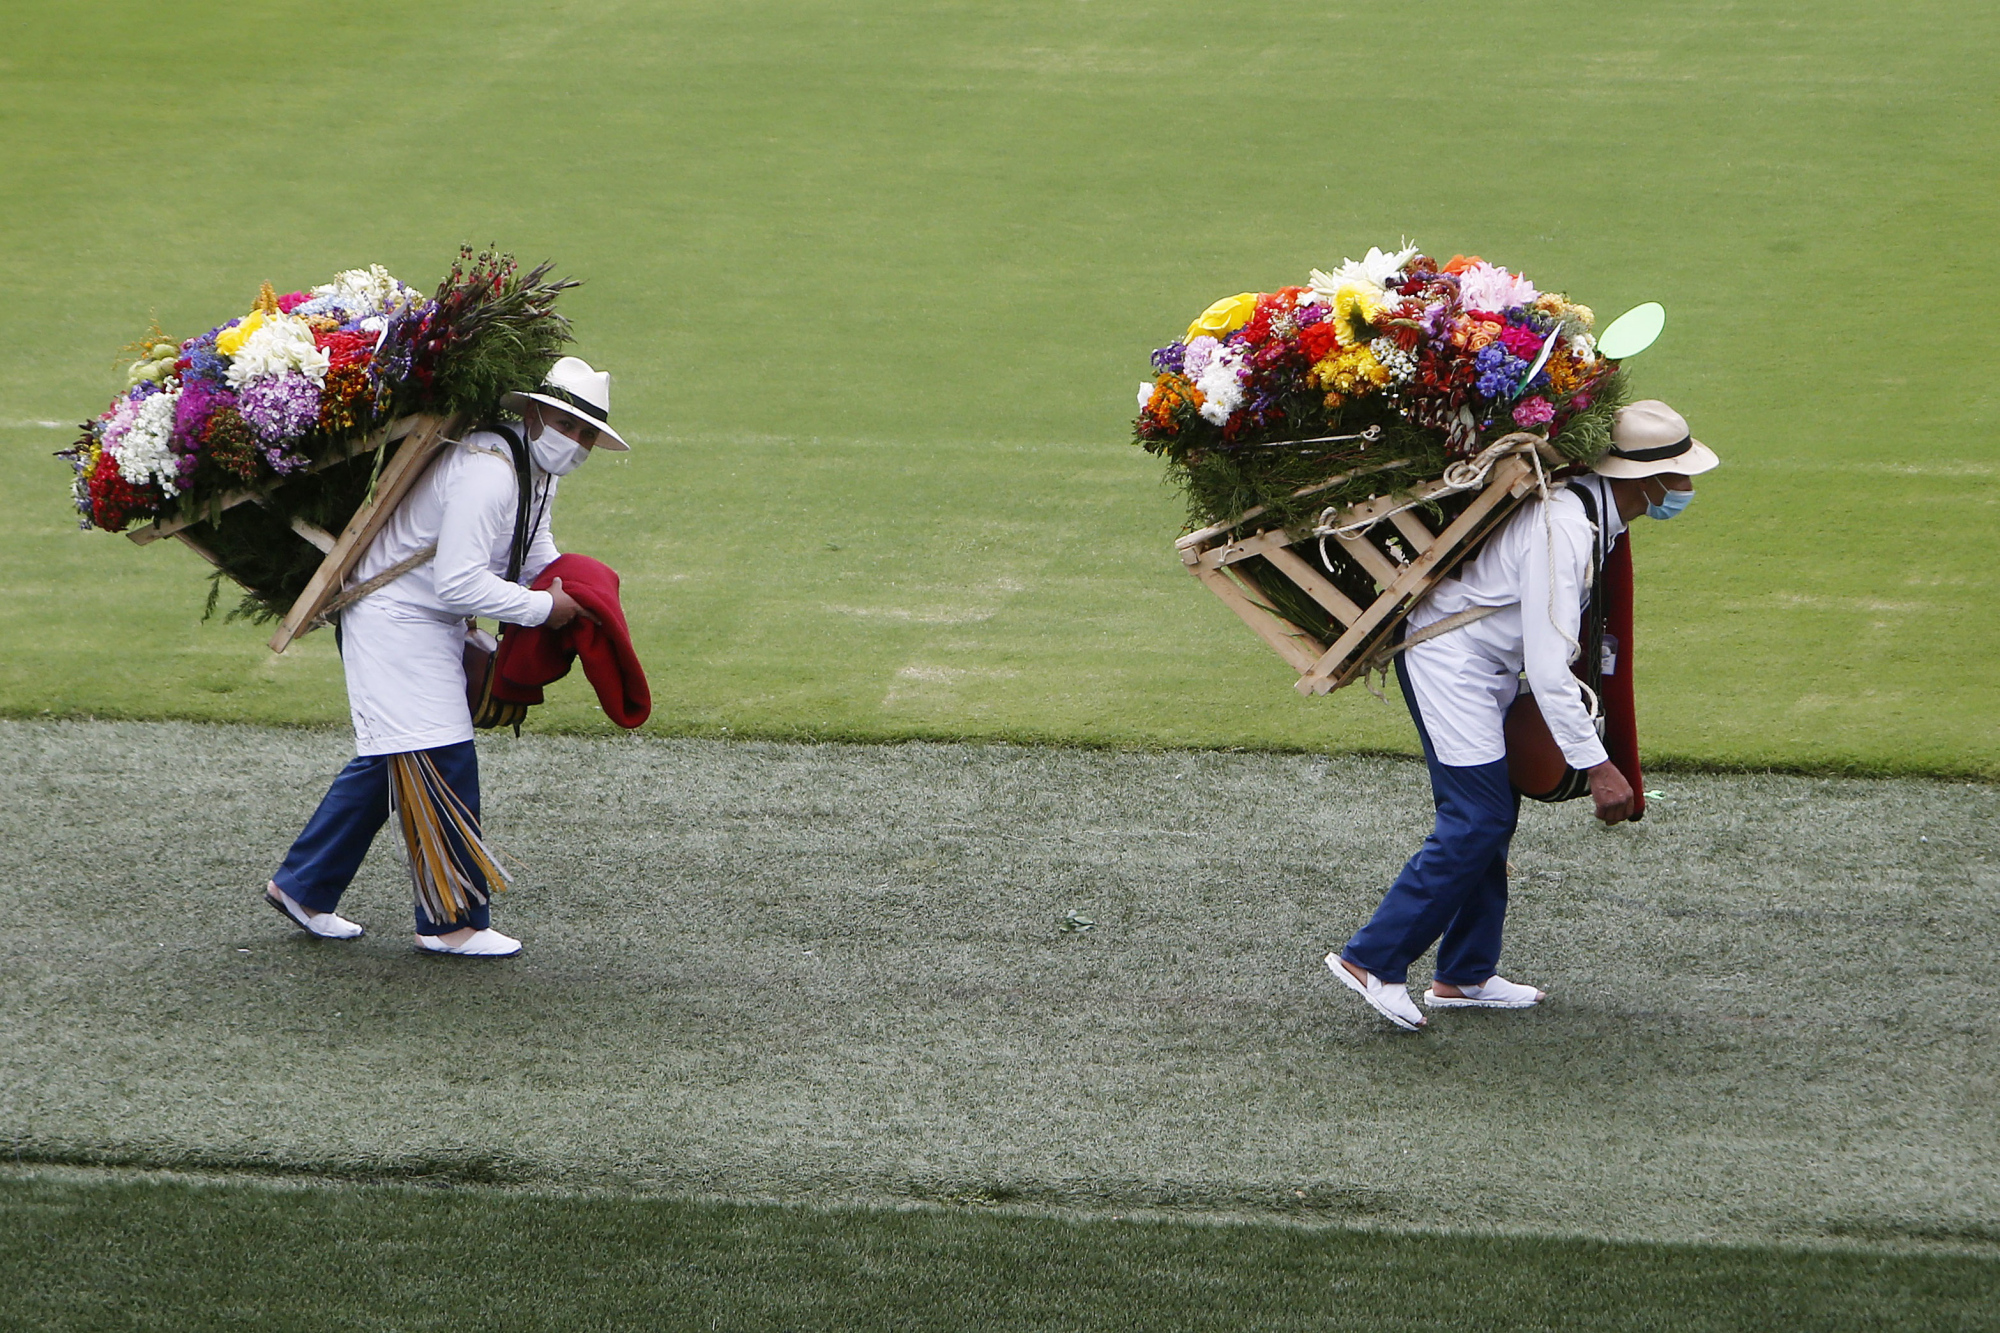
(403, 645)
(1536, 567)
(464, 505)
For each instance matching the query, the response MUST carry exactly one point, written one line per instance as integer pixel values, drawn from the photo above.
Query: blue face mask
(1674, 502)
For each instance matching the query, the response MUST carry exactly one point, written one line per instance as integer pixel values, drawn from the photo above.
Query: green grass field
(211, 1255)
(877, 281)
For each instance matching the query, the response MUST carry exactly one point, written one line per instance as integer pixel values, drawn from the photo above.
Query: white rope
(1467, 474)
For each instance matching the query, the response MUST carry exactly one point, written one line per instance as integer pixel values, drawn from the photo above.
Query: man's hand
(564, 609)
(1611, 793)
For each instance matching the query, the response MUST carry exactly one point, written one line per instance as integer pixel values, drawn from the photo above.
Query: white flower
(1199, 350)
(1372, 274)
(1146, 390)
(1491, 290)
(142, 453)
(368, 290)
(1221, 385)
(1584, 348)
(281, 343)
(1399, 363)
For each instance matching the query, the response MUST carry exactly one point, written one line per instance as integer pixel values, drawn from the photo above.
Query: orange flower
(1460, 263)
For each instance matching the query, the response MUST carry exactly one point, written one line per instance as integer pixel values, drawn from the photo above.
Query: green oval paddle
(1632, 332)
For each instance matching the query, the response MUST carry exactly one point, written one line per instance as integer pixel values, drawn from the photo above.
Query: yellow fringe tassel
(430, 812)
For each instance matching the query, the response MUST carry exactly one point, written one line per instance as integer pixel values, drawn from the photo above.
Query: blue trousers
(322, 862)
(1453, 892)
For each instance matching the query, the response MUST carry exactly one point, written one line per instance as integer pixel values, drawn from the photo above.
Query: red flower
(1318, 341)
(114, 501)
(345, 349)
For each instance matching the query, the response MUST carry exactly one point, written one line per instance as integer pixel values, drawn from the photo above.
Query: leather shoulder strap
(517, 552)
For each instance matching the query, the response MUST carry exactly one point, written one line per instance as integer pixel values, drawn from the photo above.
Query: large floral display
(1393, 358)
(275, 399)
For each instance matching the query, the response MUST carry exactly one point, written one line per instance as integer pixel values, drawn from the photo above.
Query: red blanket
(1621, 722)
(532, 656)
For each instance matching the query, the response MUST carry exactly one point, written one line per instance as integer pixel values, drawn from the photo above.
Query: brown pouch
(487, 712)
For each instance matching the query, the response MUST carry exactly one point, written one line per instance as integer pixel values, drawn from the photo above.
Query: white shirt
(403, 645)
(464, 505)
(1537, 567)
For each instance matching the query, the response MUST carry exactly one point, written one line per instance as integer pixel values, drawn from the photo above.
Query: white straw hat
(582, 392)
(1649, 438)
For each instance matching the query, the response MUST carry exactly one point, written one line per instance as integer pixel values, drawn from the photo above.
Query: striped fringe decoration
(428, 808)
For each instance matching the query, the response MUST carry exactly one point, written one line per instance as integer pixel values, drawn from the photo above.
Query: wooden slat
(199, 549)
(1340, 663)
(1286, 639)
(1413, 529)
(1380, 568)
(313, 533)
(422, 445)
(1294, 567)
(369, 443)
(1263, 543)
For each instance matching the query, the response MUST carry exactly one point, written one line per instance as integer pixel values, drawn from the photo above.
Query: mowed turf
(1060, 979)
(83, 1250)
(877, 282)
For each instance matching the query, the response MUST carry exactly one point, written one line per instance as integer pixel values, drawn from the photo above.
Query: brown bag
(488, 712)
(1535, 763)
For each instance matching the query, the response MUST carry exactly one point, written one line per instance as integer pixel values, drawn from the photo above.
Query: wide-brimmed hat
(582, 392)
(1649, 438)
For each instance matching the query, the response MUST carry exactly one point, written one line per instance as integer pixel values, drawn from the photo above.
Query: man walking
(483, 512)
(1535, 572)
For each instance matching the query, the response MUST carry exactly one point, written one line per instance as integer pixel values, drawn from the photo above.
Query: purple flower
(1499, 372)
(281, 408)
(204, 362)
(1170, 358)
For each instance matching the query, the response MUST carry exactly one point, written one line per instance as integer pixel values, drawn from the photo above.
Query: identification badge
(1607, 655)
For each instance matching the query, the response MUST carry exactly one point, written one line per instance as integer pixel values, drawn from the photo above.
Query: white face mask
(556, 453)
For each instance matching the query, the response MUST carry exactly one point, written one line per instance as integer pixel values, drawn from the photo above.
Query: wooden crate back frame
(420, 438)
(1328, 599)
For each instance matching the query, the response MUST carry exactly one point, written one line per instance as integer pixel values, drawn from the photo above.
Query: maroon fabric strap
(1621, 723)
(532, 656)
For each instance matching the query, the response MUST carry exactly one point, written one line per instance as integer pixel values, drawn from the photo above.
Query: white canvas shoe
(325, 925)
(483, 944)
(1392, 1002)
(1495, 993)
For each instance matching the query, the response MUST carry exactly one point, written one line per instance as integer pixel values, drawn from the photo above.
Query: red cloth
(532, 656)
(1621, 722)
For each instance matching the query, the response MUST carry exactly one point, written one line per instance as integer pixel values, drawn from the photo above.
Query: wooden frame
(1378, 546)
(424, 436)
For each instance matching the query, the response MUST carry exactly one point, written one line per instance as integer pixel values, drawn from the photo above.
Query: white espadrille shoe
(325, 925)
(483, 944)
(1494, 993)
(1392, 1002)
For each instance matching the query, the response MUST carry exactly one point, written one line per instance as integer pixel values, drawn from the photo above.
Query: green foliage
(501, 331)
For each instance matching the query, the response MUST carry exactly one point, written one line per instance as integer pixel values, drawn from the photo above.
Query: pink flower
(290, 303)
(1533, 412)
(1484, 287)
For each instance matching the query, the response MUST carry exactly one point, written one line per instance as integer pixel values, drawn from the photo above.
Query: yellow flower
(1352, 374)
(1355, 312)
(231, 341)
(1224, 317)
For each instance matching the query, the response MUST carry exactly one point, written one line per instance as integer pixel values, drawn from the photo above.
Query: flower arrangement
(284, 385)
(1391, 359)
(280, 393)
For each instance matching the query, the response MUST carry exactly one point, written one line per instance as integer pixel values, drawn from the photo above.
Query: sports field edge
(1857, 1236)
(1984, 775)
